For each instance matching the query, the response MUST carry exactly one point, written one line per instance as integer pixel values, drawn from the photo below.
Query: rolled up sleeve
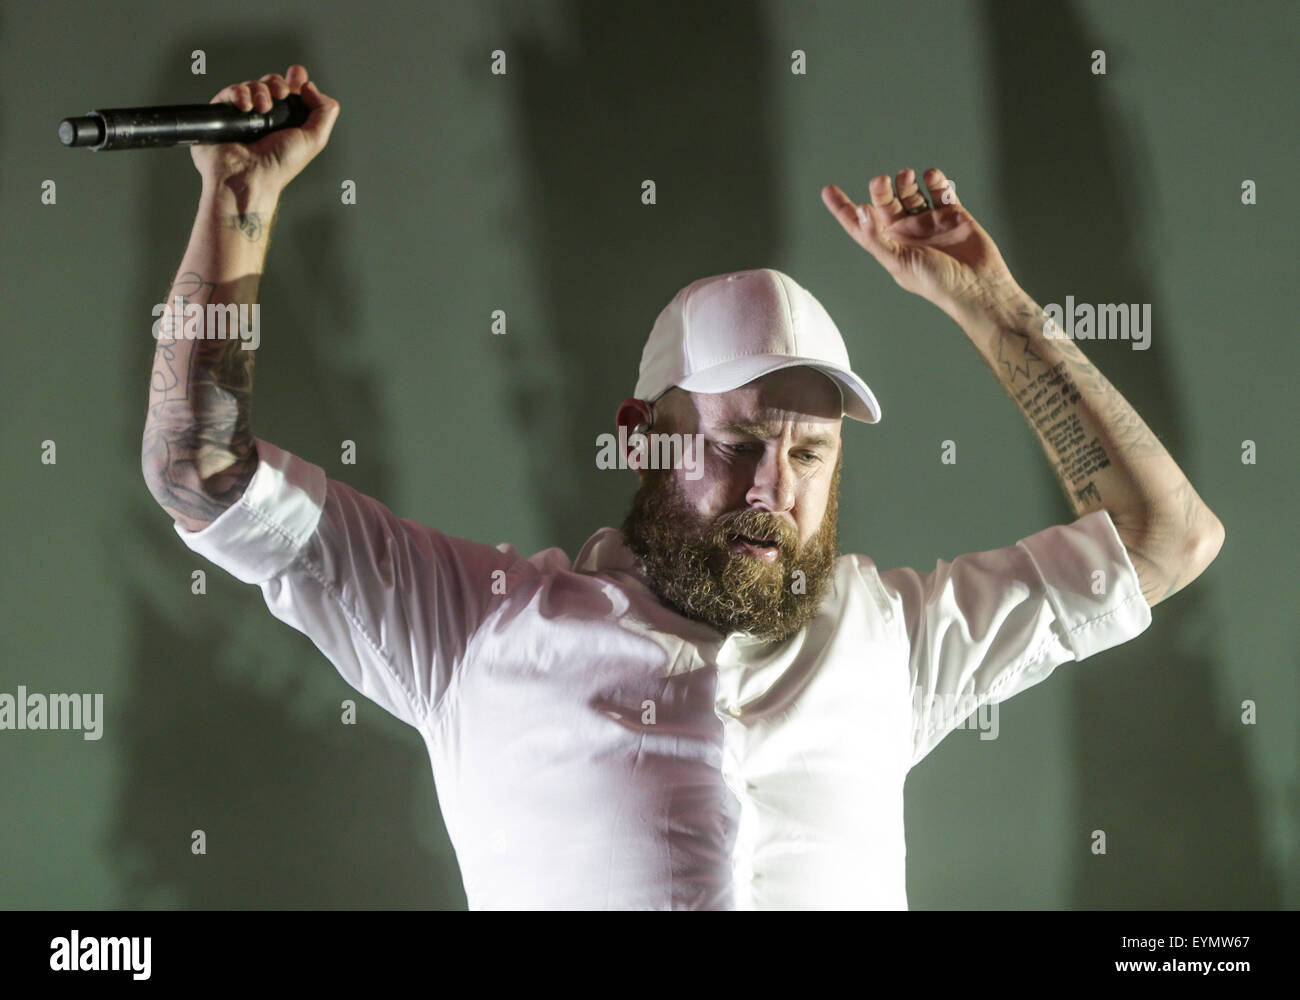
(391, 603)
(989, 625)
(258, 536)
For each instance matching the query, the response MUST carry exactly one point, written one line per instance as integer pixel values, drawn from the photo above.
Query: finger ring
(923, 207)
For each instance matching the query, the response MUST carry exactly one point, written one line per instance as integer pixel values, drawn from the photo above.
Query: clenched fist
(276, 159)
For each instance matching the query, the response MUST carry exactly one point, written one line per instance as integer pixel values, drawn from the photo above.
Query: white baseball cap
(723, 332)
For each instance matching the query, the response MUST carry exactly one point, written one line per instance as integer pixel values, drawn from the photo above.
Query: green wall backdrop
(521, 192)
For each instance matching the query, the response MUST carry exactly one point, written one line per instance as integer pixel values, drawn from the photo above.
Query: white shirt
(593, 749)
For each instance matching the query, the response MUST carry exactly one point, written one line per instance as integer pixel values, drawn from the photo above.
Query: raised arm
(197, 453)
(1100, 448)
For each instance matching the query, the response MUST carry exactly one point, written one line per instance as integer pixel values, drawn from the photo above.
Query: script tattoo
(1089, 494)
(1048, 400)
(189, 287)
(1128, 429)
(1048, 395)
(198, 448)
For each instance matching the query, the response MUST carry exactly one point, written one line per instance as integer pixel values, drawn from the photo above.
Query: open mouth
(766, 549)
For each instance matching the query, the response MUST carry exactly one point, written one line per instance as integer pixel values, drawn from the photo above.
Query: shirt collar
(603, 551)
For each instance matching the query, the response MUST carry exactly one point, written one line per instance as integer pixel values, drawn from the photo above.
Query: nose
(773, 488)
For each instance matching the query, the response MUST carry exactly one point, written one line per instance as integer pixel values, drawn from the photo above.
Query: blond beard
(687, 562)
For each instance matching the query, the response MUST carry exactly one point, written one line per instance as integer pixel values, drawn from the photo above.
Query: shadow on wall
(1160, 770)
(298, 814)
(597, 120)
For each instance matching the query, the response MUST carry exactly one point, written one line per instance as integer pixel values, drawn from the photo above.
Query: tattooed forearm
(1085, 425)
(198, 451)
(1123, 423)
(1101, 450)
(172, 480)
(169, 378)
(1048, 401)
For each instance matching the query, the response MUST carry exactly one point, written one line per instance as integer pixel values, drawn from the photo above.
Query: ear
(637, 416)
(632, 414)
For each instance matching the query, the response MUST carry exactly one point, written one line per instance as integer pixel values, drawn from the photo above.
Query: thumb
(324, 113)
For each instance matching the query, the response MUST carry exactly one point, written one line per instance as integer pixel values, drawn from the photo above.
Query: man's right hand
(276, 159)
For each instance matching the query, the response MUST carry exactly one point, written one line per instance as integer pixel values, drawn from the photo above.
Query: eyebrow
(769, 431)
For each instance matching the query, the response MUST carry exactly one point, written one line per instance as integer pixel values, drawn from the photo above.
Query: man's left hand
(941, 254)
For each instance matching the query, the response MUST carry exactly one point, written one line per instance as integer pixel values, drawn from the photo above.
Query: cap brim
(859, 402)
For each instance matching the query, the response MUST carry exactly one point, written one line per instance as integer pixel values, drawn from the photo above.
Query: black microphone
(180, 125)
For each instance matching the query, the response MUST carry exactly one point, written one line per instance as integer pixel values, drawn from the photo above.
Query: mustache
(756, 524)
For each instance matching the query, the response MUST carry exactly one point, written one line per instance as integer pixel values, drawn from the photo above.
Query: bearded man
(709, 708)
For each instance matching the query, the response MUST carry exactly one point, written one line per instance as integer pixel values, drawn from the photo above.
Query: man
(708, 708)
